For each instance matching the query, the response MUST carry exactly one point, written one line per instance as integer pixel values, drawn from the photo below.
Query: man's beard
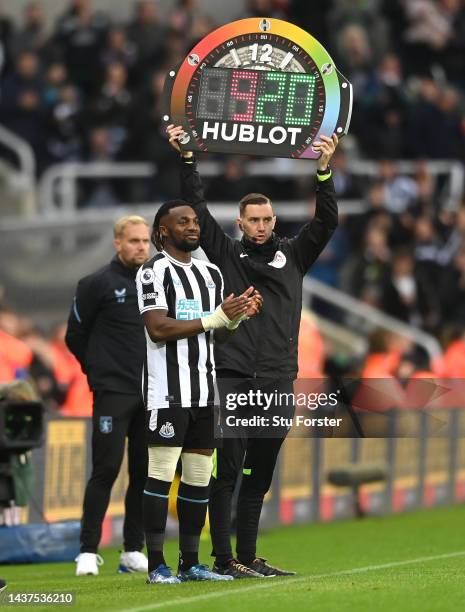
(185, 246)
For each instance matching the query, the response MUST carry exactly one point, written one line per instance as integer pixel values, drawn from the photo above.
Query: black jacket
(265, 346)
(105, 330)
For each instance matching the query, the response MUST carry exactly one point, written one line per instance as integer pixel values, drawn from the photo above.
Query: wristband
(323, 175)
(236, 322)
(216, 320)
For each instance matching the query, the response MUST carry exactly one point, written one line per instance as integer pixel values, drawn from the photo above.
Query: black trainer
(262, 567)
(2, 585)
(236, 570)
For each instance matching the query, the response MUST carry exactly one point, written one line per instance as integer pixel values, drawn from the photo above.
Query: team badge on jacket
(279, 260)
(106, 424)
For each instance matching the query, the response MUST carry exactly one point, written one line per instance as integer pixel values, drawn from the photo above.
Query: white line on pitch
(270, 583)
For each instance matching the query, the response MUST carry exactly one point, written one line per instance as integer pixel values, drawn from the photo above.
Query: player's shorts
(186, 427)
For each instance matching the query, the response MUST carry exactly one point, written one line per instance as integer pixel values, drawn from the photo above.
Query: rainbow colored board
(257, 86)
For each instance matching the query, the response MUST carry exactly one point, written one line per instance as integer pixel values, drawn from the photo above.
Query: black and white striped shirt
(179, 373)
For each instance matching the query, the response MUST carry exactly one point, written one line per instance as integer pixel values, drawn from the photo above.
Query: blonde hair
(120, 224)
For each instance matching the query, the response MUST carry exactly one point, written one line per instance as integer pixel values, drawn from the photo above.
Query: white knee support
(196, 469)
(163, 461)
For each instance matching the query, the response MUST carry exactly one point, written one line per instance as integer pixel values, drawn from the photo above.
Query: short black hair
(161, 212)
(252, 198)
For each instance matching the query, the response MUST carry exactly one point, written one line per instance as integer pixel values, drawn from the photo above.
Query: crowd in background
(89, 89)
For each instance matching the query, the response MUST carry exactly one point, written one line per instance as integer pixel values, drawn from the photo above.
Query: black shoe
(236, 570)
(262, 567)
(2, 585)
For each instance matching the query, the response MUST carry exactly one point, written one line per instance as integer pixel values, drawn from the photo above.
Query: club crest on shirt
(209, 282)
(147, 276)
(279, 260)
(167, 430)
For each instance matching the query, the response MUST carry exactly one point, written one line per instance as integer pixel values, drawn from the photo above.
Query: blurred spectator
(32, 36)
(174, 49)
(346, 184)
(430, 29)
(55, 77)
(233, 184)
(15, 355)
(435, 124)
(312, 17)
(452, 363)
(454, 238)
(68, 373)
(384, 105)
(182, 16)
(426, 249)
(21, 107)
(41, 369)
(263, 8)
(99, 193)
(112, 105)
(357, 224)
(311, 348)
(119, 50)
(6, 33)
(64, 141)
(415, 364)
(355, 54)
(81, 34)
(147, 34)
(326, 268)
(408, 295)
(385, 350)
(370, 265)
(401, 191)
(25, 79)
(452, 289)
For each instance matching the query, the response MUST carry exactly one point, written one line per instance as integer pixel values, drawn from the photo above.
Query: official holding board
(265, 350)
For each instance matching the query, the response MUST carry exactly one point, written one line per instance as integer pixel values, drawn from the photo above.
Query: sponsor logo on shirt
(150, 296)
(188, 309)
(120, 295)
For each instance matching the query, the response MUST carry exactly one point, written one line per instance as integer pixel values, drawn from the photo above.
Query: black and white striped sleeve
(150, 290)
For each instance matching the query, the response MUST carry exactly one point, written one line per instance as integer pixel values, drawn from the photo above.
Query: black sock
(192, 509)
(222, 560)
(155, 505)
(249, 506)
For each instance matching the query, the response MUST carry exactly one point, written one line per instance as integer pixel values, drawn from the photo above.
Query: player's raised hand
(326, 146)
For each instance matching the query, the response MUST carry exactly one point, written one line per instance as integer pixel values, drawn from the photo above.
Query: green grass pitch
(406, 562)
